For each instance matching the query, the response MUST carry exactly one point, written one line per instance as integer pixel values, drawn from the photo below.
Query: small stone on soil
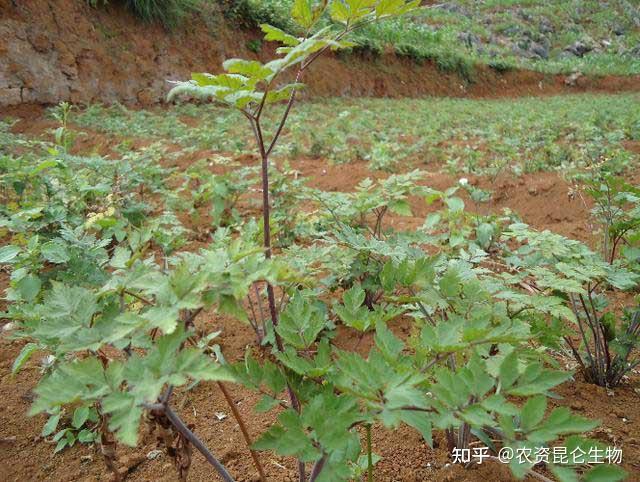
(154, 454)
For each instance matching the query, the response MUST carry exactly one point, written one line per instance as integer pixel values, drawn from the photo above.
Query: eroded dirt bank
(55, 50)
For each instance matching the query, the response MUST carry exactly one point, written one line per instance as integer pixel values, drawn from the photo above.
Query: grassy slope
(504, 33)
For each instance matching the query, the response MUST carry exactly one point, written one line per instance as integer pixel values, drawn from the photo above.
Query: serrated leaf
(266, 403)
(541, 383)
(301, 322)
(288, 438)
(533, 412)
(387, 342)
(124, 416)
(509, 370)
(121, 256)
(55, 252)
(401, 207)
(275, 34)
(70, 382)
(249, 68)
(421, 421)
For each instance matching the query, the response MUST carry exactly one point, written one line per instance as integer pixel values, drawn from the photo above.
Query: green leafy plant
(617, 210)
(568, 269)
(81, 429)
(63, 137)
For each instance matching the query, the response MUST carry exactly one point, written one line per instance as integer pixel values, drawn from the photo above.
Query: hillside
(57, 50)
(552, 36)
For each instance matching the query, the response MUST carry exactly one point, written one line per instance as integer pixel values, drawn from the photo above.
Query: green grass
(169, 13)
(460, 135)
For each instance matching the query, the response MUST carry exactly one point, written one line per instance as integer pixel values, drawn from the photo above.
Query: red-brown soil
(55, 50)
(542, 200)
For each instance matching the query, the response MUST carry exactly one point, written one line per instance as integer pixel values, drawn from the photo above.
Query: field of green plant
(137, 244)
(455, 135)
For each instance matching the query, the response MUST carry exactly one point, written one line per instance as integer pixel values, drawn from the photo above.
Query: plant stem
(317, 468)
(266, 217)
(243, 429)
(369, 455)
(177, 422)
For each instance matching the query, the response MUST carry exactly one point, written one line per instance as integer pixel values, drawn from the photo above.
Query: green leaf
(564, 474)
(283, 93)
(331, 418)
(55, 252)
(86, 436)
(451, 283)
(29, 287)
(301, 322)
(533, 412)
(561, 422)
(497, 403)
(388, 7)
(339, 12)
(121, 256)
(421, 421)
(124, 416)
(8, 253)
(74, 305)
(288, 438)
(302, 13)
(401, 207)
(51, 425)
(605, 473)
(387, 342)
(62, 443)
(80, 380)
(250, 68)
(455, 204)
(352, 312)
(275, 34)
(24, 355)
(266, 403)
(163, 317)
(543, 382)
(80, 416)
(509, 370)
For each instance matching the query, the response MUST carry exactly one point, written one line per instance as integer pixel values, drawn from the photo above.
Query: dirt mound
(54, 50)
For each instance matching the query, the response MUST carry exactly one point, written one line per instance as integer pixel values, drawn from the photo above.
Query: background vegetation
(546, 35)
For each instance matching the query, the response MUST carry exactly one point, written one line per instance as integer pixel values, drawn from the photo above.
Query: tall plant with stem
(251, 86)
